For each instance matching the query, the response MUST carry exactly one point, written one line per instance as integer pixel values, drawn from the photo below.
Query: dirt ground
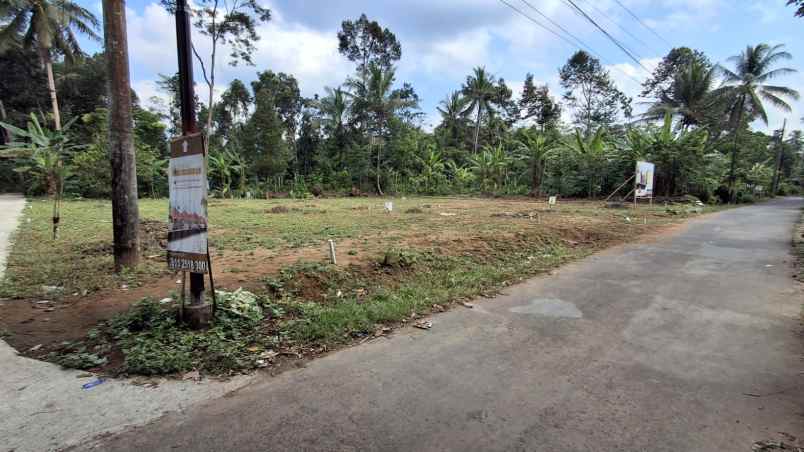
(33, 325)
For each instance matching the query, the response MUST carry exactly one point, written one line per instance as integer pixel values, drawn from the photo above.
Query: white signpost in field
(643, 181)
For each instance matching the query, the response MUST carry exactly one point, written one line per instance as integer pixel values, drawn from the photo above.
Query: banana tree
(535, 147)
(43, 152)
(593, 154)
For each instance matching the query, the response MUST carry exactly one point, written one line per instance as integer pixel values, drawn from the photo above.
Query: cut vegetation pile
(392, 269)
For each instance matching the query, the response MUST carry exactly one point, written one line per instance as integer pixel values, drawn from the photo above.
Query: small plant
(42, 156)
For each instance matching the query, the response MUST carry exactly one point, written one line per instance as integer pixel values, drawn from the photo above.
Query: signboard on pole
(187, 229)
(643, 185)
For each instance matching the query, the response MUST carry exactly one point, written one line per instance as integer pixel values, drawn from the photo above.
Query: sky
(442, 40)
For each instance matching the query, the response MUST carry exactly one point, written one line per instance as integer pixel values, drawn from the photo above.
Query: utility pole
(188, 120)
(125, 210)
(777, 167)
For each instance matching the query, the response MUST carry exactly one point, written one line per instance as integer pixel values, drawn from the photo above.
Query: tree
(689, 97)
(232, 110)
(366, 43)
(45, 151)
(591, 93)
(287, 98)
(20, 72)
(47, 26)
(799, 4)
(226, 23)
(746, 87)
(661, 82)
(537, 104)
(376, 103)
(263, 137)
(453, 118)
(480, 91)
(593, 153)
(125, 211)
(536, 147)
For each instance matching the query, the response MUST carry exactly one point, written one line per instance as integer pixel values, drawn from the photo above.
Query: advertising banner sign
(644, 180)
(187, 229)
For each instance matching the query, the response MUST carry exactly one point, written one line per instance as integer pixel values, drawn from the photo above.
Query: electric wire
(608, 35)
(566, 40)
(646, 26)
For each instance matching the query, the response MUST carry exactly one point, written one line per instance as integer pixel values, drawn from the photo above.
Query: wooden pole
(125, 210)
(188, 120)
(618, 188)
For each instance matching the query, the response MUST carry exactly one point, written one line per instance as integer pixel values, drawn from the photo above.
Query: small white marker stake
(332, 252)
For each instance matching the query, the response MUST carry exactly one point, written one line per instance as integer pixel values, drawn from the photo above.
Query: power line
(646, 26)
(557, 25)
(608, 35)
(573, 45)
(625, 30)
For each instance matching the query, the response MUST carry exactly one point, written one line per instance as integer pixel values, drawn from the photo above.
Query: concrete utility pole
(125, 210)
(188, 120)
(777, 167)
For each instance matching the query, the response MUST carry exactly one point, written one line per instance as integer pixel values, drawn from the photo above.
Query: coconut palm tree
(452, 114)
(480, 92)
(375, 99)
(689, 97)
(747, 87)
(49, 26)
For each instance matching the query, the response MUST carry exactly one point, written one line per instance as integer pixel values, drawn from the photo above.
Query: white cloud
(309, 55)
(454, 56)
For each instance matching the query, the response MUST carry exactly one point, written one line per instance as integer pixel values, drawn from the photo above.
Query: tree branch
(203, 68)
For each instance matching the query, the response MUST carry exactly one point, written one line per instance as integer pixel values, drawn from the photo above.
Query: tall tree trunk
(536, 181)
(778, 166)
(4, 135)
(44, 56)
(733, 169)
(125, 210)
(477, 128)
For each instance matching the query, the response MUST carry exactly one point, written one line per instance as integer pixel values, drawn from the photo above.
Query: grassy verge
(798, 247)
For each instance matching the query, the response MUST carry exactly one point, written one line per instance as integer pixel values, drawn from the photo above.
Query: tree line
(367, 134)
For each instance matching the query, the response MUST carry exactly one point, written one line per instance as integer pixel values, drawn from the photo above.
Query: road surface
(690, 342)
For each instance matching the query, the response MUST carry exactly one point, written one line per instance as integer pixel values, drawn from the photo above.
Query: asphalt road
(690, 342)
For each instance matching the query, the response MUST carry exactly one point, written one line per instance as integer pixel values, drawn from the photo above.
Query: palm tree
(335, 113)
(690, 96)
(335, 107)
(535, 146)
(374, 96)
(746, 87)
(48, 26)
(452, 114)
(479, 90)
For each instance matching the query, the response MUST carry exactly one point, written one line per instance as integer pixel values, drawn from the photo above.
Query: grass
(425, 255)
(798, 248)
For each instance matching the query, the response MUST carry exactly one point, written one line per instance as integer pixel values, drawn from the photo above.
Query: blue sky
(443, 39)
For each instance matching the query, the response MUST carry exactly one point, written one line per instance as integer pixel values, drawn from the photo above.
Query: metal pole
(187, 98)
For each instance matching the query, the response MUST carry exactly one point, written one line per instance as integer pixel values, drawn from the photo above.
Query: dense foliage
(367, 135)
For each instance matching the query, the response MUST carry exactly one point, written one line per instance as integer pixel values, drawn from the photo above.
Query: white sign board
(187, 229)
(644, 180)
(551, 200)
